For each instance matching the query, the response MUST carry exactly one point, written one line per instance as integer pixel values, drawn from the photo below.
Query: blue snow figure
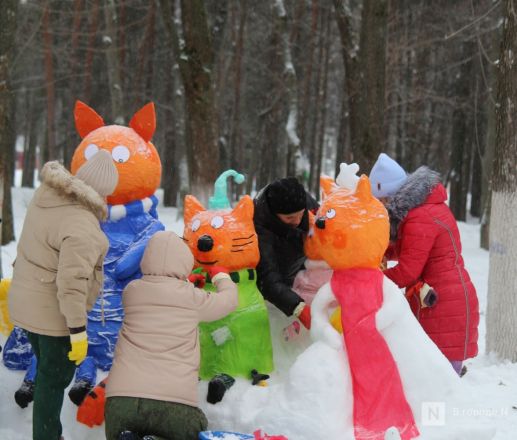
(128, 228)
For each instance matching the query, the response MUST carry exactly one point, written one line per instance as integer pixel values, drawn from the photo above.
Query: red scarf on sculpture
(379, 400)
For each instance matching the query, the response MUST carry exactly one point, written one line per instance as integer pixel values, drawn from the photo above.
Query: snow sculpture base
(310, 394)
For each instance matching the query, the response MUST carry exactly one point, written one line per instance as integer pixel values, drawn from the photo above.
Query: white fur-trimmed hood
(57, 177)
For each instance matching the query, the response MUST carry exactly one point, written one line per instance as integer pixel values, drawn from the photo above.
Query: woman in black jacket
(282, 221)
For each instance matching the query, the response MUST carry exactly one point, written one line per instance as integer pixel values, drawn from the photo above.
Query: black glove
(218, 386)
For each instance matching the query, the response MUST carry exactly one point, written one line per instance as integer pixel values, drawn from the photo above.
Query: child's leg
(170, 420)
(122, 414)
(54, 373)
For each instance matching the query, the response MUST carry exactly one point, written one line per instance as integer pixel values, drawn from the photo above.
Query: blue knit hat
(386, 177)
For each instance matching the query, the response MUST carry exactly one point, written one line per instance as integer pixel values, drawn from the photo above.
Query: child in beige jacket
(58, 276)
(152, 387)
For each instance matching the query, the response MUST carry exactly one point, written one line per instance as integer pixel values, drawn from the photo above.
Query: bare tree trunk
(196, 61)
(316, 119)
(502, 283)
(323, 91)
(405, 89)
(170, 169)
(146, 48)
(488, 156)
(49, 82)
(270, 117)
(113, 62)
(372, 56)
(10, 161)
(365, 74)
(488, 159)
(478, 151)
(8, 13)
(236, 147)
(121, 35)
(461, 129)
(29, 151)
(223, 38)
(343, 149)
(66, 119)
(291, 85)
(307, 78)
(29, 154)
(90, 51)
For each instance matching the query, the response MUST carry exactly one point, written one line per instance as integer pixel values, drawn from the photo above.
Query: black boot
(25, 394)
(79, 391)
(218, 386)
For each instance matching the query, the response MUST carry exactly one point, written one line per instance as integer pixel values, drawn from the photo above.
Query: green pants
(54, 373)
(163, 420)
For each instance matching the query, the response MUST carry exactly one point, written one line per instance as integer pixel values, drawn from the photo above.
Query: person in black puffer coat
(282, 221)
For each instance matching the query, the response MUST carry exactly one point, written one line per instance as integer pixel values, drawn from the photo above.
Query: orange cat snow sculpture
(137, 160)
(351, 234)
(222, 236)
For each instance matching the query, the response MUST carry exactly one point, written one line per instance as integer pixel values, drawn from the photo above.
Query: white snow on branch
(279, 5)
(289, 67)
(291, 127)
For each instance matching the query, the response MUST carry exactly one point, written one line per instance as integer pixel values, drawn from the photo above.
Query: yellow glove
(79, 344)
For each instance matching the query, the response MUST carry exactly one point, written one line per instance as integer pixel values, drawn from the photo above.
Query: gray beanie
(100, 173)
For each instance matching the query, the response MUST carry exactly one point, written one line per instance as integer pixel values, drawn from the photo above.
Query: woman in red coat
(426, 242)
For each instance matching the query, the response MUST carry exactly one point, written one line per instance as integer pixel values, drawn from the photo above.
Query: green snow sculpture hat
(220, 198)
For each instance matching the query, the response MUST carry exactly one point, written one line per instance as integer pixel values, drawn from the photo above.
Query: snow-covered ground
(494, 382)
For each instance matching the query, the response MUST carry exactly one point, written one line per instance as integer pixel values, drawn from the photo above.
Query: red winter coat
(428, 249)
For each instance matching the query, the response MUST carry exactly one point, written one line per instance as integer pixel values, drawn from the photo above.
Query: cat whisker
(244, 244)
(243, 238)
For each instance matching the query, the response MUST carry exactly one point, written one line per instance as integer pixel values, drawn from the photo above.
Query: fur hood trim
(74, 189)
(411, 194)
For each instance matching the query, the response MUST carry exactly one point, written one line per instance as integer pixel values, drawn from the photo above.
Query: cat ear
(364, 189)
(327, 185)
(244, 209)
(144, 121)
(86, 119)
(191, 207)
